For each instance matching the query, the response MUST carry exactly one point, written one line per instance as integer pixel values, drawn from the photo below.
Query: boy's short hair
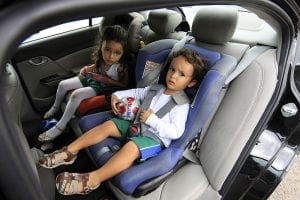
(194, 58)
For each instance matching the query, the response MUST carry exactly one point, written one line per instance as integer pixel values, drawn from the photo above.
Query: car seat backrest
(162, 24)
(234, 122)
(135, 32)
(132, 22)
(205, 98)
(213, 28)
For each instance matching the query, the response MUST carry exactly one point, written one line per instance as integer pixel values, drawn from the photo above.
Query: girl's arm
(123, 82)
(86, 69)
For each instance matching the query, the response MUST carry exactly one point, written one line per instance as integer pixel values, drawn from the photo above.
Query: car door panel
(42, 64)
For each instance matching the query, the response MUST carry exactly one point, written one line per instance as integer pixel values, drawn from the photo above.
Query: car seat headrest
(164, 22)
(123, 20)
(134, 31)
(215, 24)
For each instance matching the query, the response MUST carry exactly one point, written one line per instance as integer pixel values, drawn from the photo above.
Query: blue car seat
(143, 177)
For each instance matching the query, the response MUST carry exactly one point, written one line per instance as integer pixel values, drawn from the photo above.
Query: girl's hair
(115, 33)
(194, 58)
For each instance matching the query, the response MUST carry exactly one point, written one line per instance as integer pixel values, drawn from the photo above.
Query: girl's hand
(83, 71)
(100, 78)
(114, 101)
(145, 114)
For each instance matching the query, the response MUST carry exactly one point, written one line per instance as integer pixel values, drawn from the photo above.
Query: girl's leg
(63, 87)
(76, 97)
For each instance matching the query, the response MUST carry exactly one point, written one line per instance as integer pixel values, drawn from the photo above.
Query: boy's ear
(192, 83)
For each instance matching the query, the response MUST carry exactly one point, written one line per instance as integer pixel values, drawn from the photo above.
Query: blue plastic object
(47, 124)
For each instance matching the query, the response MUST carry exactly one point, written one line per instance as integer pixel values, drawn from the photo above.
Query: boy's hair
(194, 58)
(115, 33)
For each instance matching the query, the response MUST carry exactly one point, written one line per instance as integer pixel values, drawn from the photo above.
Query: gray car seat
(234, 121)
(17, 102)
(162, 24)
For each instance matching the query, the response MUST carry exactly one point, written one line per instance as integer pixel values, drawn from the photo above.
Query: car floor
(82, 164)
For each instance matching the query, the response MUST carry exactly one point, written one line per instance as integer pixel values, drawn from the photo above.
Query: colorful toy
(128, 108)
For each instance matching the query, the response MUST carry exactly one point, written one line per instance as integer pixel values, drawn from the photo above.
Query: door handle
(39, 60)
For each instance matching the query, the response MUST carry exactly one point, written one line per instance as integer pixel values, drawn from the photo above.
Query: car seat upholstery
(230, 129)
(16, 100)
(205, 99)
(213, 28)
(224, 139)
(162, 24)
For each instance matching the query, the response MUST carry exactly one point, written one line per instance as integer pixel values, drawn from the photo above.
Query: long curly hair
(115, 33)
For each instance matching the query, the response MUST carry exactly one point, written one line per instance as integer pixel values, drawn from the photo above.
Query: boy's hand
(114, 101)
(145, 114)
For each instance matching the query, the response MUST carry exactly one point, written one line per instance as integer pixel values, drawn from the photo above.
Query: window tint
(62, 28)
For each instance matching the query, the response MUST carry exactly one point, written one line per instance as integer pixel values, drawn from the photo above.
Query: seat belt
(152, 76)
(247, 59)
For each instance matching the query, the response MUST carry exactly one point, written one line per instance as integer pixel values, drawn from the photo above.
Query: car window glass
(62, 28)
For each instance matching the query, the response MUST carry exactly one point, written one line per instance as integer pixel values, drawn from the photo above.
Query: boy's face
(180, 75)
(112, 51)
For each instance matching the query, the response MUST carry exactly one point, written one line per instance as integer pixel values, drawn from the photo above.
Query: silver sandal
(46, 138)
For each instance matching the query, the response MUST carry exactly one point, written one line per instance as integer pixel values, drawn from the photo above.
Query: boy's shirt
(169, 127)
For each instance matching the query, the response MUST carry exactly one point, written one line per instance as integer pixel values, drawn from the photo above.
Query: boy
(185, 69)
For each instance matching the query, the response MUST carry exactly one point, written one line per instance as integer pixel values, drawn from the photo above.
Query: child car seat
(143, 177)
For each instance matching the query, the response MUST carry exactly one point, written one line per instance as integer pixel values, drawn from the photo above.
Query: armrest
(54, 79)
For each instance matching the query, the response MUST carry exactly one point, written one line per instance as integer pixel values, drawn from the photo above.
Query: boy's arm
(138, 93)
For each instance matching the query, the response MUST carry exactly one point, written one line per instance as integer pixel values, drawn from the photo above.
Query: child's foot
(57, 158)
(73, 183)
(50, 113)
(51, 134)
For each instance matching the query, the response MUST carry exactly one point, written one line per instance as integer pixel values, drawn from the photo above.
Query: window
(62, 28)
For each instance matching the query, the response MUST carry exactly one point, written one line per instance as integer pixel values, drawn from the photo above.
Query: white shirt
(169, 127)
(112, 72)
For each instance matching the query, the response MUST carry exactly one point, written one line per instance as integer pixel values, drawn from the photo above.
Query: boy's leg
(93, 136)
(122, 160)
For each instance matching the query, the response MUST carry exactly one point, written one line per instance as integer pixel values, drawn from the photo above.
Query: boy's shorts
(147, 146)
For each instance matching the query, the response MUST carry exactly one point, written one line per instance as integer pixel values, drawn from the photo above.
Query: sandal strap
(70, 156)
(73, 180)
(55, 158)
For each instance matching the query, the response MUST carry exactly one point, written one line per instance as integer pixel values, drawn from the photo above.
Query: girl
(108, 70)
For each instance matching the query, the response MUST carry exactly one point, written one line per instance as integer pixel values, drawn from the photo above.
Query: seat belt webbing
(249, 56)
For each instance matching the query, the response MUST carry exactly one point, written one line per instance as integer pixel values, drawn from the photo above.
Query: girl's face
(112, 51)
(180, 75)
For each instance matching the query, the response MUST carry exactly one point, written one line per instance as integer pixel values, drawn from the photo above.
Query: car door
(43, 63)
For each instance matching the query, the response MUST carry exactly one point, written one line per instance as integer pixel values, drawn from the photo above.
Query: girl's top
(112, 73)
(169, 127)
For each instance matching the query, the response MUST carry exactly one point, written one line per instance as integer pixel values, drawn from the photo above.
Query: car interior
(226, 106)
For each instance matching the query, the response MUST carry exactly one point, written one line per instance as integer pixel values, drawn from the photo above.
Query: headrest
(123, 20)
(134, 31)
(164, 22)
(215, 24)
